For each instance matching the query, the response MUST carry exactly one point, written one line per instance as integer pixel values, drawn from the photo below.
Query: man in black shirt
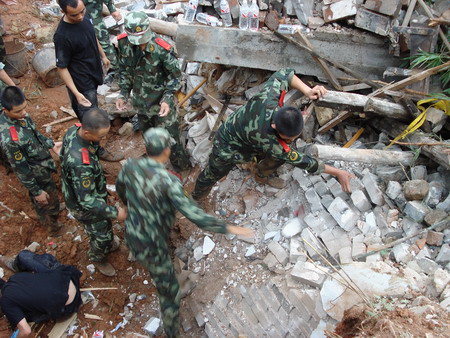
(79, 58)
(43, 290)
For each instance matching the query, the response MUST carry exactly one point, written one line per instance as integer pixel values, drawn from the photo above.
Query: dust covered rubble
(287, 260)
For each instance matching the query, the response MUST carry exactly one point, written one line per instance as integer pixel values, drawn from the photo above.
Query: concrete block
(372, 22)
(313, 241)
(339, 10)
(445, 205)
(444, 254)
(358, 249)
(271, 261)
(388, 7)
(320, 221)
(393, 189)
(303, 9)
(419, 172)
(416, 210)
(153, 326)
(321, 188)
(360, 201)
(427, 265)
(402, 253)
(374, 258)
(435, 238)
(302, 179)
(435, 216)
(327, 200)
(415, 189)
(314, 200)
(434, 194)
(278, 251)
(343, 214)
(336, 189)
(375, 194)
(296, 250)
(345, 255)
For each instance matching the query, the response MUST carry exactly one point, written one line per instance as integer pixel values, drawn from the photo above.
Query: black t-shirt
(77, 50)
(40, 296)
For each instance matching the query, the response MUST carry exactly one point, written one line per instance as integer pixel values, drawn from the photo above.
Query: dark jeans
(27, 261)
(90, 94)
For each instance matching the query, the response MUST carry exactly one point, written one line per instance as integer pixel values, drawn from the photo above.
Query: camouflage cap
(156, 140)
(137, 26)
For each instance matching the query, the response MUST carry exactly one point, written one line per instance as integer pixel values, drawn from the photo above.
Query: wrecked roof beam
(364, 53)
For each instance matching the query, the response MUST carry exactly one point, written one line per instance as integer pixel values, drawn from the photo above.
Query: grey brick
(269, 298)
(358, 249)
(321, 188)
(326, 200)
(416, 210)
(283, 317)
(221, 302)
(219, 315)
(300, 176)
(259, 310)
(343, 214)
(360, 201)
(238, 325)
(278, 251)
(345, 255)
(320, 221)
(313, 199)
(285, 304)
(309, 237)
(297, 325)
(248, 314)
(220, 330)
(271, 261)
(307, 302)
(336, 189)
(375, 194)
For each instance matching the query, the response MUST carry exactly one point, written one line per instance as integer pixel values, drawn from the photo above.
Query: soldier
(27, 151)
(149, 68)
(84, 186)
(263, 130)
(94, 9)
(153, 195)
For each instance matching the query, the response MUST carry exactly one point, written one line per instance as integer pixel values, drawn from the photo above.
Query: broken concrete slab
(388, 7)
(219, 45)
(372, 22)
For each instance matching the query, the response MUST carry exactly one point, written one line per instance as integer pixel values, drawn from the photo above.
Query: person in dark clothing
(42, 289)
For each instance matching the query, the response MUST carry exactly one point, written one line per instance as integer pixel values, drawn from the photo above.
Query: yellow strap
(443, 105)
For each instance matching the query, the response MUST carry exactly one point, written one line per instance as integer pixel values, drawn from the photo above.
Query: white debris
(208, 245)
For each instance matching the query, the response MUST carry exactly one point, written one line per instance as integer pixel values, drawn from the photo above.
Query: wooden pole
(430, 15)
(192, 92)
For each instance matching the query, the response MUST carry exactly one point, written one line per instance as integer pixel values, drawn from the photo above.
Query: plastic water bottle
(254, 16)
(243, 15)
(208, 19)
(191, 9)
(225, 13)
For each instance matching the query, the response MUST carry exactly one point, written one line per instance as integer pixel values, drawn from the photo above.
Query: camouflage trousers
(100, 238)
(221, 161)
(48, 214)
(178, 157)
(157, 261)
(103, 38)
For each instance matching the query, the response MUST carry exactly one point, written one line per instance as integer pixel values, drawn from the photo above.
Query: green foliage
(429, 60)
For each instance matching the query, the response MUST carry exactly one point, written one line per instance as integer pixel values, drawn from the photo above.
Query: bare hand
(57, 147)
(43, 198)
(316, 92)
(344, 179)
(83, 101)
(240, 231)
(165, 109)
(121, 104)
(106, 62)
(121, 214)
(116, 15)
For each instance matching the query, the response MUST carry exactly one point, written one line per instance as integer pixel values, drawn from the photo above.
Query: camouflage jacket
(152, 195)
(26, 149)
(153, 74)
(95, 8)
(83, 181)
(248, 132)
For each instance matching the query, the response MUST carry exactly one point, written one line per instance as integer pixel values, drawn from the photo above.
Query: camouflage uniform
(94, 8)
(154, 76)
(153, 195)
(84, 189)
(27, 150)
(247, 134)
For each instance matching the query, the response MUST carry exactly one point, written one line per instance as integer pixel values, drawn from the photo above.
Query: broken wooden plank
(91, 316)
(412, 79)
(409, 13)
(61, 326)
(192, 92)
(354, 138)
(322, 64)
(334, 122)
(382, 157)
(413, 30)
(357, 103)
(64, 119)
(394, 128)
(98, 289)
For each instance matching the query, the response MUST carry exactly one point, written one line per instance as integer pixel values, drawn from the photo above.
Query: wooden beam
(382, 157)
(334, 122)
(359, 103)
(322, 64)
(409, 13)
(412, 79)
(61, 326)
(435, 152)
